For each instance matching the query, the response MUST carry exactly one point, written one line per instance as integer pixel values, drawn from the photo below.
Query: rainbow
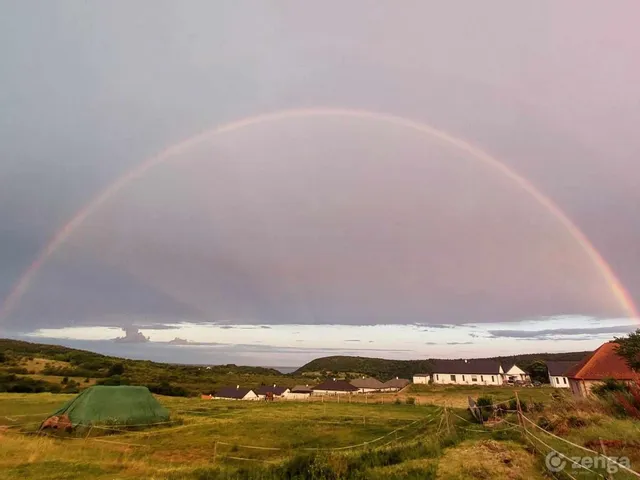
(63, 234)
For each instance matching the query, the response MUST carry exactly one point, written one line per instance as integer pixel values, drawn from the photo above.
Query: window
(481, 378)
(474, 378)
(453, 378)
(557, 380)
(463, 378)
(492, 378)
(564, 379)
(437, 377)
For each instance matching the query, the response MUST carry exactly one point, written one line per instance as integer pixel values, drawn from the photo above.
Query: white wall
(295, 396)
(559, 382)
(517, 373)
(467, 379)
(421, 379)
(251, 395)
(330, 392)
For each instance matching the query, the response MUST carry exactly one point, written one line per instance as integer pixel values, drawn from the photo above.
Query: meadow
(211, 439)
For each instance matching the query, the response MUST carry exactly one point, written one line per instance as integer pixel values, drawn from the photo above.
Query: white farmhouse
(557, 370)
(367, 385)
(235, 393)
(516, 374)
(468, 372)
(421, 378)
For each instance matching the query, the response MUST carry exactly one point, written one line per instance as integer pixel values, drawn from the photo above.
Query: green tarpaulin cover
(121, 405)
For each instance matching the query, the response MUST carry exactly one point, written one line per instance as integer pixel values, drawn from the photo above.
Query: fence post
(520, 421)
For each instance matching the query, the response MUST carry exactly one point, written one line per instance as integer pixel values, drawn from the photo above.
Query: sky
(327, 230)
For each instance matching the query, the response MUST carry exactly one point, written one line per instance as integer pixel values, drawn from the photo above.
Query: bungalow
(395, 384)
(334, 387)
(367, 385)
(557, 370)
(468, 372)
(235, 393)
(421, 378)
(276, 391)
(298, 392)
(602, 364)
(516, 374)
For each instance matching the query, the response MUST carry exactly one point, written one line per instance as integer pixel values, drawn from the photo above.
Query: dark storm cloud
(132, 335)
(562, 332)
(551, 91)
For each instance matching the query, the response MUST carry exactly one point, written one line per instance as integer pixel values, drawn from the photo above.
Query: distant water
(284, 369)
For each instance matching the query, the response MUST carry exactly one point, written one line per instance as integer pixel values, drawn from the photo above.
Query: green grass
(457, 395)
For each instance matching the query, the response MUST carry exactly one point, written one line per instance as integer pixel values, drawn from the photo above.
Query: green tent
(121, 405)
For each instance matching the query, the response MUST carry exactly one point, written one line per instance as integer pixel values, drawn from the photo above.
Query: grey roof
(336, 386)
(301, 389)
(478, 366)
(558, 368)
(232, 392)
(368, 382)
(275, 389)
(396, 383)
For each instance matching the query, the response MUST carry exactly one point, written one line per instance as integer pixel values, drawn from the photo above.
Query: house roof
(396, 383)
(336, 386)
(601, 364)
(368, 382)
(478, 366)
(232, 392)
(275, 389)
(301, 389)
(558, 368)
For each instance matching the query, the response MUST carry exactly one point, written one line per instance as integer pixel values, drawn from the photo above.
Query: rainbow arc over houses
(169, 154)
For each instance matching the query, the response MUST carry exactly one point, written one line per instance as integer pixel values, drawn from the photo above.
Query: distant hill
(34, 367)
(386, 369)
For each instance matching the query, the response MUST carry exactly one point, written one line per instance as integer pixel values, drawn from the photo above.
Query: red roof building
(602, 364)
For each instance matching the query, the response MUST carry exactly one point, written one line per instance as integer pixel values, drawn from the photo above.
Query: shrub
(398, 401)
(116, 369)
(65, 380)
(410, 401)
(610, 385)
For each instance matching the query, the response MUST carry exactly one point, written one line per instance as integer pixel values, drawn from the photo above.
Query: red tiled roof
(601, 364)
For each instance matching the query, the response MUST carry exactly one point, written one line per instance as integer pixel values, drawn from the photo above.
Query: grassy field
(209, 439)
(220, 439)
(457, 395)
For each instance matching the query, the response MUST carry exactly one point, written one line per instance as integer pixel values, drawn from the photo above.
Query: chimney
(465, 360)
(274, 385)
(237, 387)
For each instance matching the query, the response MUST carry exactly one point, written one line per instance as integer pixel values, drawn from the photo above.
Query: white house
(557, 370)
(299, 392)
(334, 387)
(421, 378)
(468, 372)
(235, 393)
(367, 385)
(395, 384)
(516, 374)
(275, 390)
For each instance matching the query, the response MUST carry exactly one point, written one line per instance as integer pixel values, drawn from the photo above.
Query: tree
(116, 369)
(538, 371)
(2, 357)
(629, 349)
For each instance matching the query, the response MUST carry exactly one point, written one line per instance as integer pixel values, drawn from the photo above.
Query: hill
(385, 369)
(33, 367)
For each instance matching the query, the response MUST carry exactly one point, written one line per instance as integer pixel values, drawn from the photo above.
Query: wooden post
(520, 421)
(604, 452)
